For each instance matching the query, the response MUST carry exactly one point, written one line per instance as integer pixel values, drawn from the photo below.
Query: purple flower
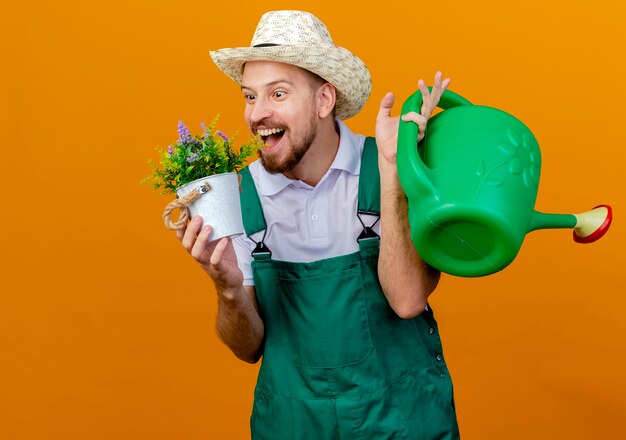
(203, 126)
(192, 157)
(184, 136)
(223, 136)
(170, 150)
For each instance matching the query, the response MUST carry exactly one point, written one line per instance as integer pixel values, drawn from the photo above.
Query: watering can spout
(588, 226)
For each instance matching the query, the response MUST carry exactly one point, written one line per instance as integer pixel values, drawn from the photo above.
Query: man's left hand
(387, 126)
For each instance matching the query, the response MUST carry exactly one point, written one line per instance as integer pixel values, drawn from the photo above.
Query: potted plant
(202, 171)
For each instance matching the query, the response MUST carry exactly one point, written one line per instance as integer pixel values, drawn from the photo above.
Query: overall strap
(368, 197)
(253, 219)
(369, 187)
(252, 212)
(369, 179)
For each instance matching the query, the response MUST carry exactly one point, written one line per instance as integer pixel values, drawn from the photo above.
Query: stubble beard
(298, 149)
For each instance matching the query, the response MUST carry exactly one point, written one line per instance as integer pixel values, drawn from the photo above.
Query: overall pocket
(323, 318)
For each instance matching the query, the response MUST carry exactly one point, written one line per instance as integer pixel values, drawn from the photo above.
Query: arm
(406, 279)
(237, 316)
(238, 321)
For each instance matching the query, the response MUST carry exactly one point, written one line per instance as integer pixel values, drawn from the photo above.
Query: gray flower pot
(219, 206)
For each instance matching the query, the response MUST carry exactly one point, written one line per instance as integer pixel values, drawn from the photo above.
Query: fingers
(385, 105)
(422, 86)
(438, 80)
(438, 89)
(190, 234)
(440, 85)
(420, 120)
(415, 117)
(180, 233)
(431, 97)
(200, 245)
(218, 252)
(210, 255)
(425, 96)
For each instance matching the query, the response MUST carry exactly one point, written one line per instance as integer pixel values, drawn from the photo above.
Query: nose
(260, 110)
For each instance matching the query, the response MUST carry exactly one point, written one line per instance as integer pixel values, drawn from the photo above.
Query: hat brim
(334, 64)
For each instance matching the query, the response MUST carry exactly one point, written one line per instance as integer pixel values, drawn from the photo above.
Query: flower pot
(218, 206)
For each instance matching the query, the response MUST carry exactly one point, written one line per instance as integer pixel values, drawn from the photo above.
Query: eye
(280, 93)
(248, 97)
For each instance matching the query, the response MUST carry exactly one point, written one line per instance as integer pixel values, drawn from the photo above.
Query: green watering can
(471, 185)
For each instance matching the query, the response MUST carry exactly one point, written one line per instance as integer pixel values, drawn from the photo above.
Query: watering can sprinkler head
(472, 183)
(592, 225)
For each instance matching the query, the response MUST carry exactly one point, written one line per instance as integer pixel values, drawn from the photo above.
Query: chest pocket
(323, 318)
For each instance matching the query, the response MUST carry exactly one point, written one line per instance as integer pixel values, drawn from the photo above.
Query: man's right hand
(217, 257)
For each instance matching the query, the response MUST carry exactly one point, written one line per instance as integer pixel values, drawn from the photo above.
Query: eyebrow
(269, 84)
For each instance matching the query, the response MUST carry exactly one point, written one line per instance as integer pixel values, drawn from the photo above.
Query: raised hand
(431, 98)
(387, 125)
(430, 102)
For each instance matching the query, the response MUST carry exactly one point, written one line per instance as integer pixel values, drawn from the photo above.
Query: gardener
(350, 348)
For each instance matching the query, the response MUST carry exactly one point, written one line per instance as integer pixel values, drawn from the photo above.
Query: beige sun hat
(301, 39)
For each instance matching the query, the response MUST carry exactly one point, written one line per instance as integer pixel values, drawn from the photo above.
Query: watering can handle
(409, 162)
(448, 100)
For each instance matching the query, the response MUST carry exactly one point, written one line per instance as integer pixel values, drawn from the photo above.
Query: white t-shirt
(306, 223)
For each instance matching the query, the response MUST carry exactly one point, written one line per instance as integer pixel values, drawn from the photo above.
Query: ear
(326, 96)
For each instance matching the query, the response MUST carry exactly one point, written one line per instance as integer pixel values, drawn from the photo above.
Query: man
(350, 349)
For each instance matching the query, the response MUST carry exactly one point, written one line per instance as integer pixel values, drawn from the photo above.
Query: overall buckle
(261, 249)
(367, 231)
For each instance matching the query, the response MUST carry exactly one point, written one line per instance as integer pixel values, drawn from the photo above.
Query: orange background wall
(107, 326)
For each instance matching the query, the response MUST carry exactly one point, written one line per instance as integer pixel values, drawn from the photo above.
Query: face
(281, 107)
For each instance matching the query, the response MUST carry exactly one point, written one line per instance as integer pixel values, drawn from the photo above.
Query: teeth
(270, 131)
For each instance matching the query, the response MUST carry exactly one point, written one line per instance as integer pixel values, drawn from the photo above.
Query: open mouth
(271, 136)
